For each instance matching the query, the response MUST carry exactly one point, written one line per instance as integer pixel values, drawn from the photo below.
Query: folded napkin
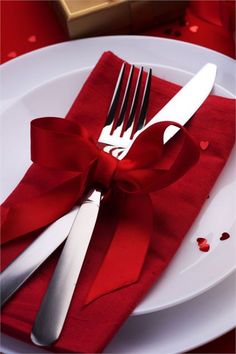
(89, 328)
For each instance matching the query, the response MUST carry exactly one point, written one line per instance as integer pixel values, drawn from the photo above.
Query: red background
(29, 25)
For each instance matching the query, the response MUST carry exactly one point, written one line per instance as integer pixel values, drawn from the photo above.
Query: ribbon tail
(124, 260)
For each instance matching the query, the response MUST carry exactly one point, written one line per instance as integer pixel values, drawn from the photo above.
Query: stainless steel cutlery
(52, 313)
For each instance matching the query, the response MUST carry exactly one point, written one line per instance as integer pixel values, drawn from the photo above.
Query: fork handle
(55, 305)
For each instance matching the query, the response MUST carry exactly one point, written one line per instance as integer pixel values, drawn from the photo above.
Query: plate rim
(52, 46)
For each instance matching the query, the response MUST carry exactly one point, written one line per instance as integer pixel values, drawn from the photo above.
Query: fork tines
(136, 119)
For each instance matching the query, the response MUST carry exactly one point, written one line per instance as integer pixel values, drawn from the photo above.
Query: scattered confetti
(177, 33)
(168, 31)
(203, 244)
(182, 22)
(225, 236)
(193, 29)
(204, 247)
(11, 54)
(201, 240)
(204, 144)
(32, 39)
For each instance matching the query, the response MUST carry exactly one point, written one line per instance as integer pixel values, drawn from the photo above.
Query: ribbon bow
(65, 145)
(75, 164)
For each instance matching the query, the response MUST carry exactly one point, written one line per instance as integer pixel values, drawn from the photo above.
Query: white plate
(171, 331)
(191, 272)
(27, 72)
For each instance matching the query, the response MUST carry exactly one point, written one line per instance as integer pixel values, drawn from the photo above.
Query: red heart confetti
(182, 22)
(177, 33)
(204, 144)
(193, 29)
(168, 31)
(201, 240)
(11, 54)
(224, 236)
(32, 39)
(204, 247)
(203, 244)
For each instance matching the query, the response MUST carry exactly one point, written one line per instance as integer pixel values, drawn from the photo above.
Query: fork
(117, 135)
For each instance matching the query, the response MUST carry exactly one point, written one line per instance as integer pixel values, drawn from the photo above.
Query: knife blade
(61, 288)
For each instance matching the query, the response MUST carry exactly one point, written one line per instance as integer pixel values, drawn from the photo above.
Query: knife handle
(56, 302)
(18, 271)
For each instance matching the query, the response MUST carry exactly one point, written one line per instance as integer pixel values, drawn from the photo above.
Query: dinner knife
(52, 313)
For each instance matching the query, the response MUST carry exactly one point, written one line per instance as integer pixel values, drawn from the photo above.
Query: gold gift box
(83, 18)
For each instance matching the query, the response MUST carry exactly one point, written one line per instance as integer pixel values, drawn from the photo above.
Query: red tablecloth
(28, 25)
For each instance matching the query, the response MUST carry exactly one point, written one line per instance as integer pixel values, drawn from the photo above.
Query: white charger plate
(176, 62)
(171, 331)
(191, 272)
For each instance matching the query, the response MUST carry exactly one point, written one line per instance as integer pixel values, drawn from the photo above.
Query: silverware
(18, 271)
(52, 313)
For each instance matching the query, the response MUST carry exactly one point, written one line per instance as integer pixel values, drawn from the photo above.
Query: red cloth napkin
(89, 328)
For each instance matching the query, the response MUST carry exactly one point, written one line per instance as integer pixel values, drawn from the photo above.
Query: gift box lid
(83, 18)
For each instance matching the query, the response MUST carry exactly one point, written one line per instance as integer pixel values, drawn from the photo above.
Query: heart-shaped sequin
(224, 236)
(32, 39)
(11, 54)
(204, 144)
(193, 29)
(203, 244)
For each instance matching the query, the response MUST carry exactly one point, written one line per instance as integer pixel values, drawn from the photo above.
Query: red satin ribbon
(81, 154)
(65, 148)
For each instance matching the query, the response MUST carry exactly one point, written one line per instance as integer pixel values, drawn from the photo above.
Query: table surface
(29, 25)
